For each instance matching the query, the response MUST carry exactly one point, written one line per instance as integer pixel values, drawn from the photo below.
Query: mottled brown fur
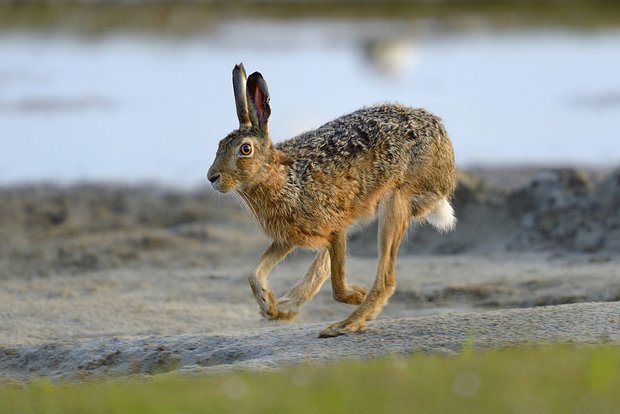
(389, 161)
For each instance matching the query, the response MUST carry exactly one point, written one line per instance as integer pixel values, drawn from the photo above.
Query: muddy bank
(99, 280)
(48, 230)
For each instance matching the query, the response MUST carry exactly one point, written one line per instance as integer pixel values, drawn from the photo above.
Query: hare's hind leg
(306, 288)
(258, 279)
(394, 216)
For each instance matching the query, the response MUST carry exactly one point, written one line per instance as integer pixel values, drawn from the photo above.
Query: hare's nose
(213, 178)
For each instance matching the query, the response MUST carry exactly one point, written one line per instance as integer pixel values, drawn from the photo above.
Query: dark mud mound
(566, 209)
(47, 229)
(555, 210)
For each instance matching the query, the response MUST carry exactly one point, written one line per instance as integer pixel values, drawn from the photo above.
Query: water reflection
(135, 106)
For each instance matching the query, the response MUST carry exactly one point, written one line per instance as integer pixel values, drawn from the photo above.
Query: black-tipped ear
(239, 79)
(258, 101)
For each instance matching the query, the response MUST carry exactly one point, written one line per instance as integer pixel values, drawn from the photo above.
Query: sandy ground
(109, 280)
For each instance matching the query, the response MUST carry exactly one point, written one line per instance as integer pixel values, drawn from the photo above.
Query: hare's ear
(239, 79)
(258, 101)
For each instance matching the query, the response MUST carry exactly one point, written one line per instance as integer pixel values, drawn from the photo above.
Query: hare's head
(247, 150)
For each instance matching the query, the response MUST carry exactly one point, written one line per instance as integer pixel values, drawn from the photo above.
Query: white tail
(442, 216)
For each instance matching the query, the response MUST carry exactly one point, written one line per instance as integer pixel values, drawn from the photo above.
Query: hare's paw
(267, 303)
(286, 309)
(273, 309)
(284, 315)
(353, 295)
(342, 328)
(361, 290)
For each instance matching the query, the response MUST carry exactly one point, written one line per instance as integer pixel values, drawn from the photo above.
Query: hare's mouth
(221, 186)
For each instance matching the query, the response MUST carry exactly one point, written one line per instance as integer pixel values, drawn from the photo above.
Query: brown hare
(389, 161)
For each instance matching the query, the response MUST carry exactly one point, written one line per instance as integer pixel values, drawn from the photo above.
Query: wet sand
(103, 280)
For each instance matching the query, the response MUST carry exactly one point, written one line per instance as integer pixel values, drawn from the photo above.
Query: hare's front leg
(394, 216)
(353, 295)
(306, 288)
(258, 279)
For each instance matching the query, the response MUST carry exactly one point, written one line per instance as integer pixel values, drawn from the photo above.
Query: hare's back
(385, 128)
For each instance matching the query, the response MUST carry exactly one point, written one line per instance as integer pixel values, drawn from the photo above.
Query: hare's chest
(296, 230)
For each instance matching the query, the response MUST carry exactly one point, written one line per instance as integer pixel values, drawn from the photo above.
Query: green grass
(566, 379)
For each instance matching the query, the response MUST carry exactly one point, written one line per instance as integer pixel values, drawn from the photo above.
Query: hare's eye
(245, 149)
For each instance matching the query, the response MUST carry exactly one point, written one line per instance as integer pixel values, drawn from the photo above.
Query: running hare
(389, 161)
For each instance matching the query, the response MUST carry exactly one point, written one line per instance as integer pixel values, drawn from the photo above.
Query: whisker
(249, 201)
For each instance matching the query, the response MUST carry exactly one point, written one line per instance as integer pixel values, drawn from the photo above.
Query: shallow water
(136, 106)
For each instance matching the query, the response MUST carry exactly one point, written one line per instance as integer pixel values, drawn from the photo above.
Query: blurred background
(140, 91)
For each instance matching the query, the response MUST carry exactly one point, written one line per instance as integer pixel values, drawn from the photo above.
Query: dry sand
(112, 280)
